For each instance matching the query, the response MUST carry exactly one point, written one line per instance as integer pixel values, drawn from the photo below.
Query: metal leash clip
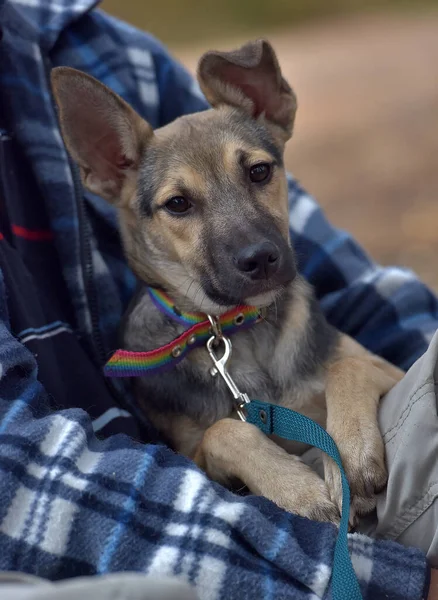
(220, 366)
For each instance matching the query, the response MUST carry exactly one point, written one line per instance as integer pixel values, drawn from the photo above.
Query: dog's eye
(260, 172)
(178, 205)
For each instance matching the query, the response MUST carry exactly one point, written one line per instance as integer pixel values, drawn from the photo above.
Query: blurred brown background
(366, 77)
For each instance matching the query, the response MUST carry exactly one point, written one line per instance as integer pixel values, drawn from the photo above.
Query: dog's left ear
(249, 78)
(104, 135)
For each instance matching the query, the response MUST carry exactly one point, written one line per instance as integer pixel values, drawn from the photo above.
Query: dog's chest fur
(280, 360)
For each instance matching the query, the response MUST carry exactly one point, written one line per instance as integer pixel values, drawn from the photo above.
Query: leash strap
(290, 425)
(125, 363)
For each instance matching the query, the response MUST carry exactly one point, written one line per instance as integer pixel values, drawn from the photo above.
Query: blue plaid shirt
(72, 504)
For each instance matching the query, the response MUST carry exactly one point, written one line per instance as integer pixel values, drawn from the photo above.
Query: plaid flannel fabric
(70, 504)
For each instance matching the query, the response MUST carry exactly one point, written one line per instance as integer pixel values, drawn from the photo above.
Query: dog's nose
(259, 261)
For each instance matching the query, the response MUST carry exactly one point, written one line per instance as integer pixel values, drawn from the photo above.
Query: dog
(203, 212)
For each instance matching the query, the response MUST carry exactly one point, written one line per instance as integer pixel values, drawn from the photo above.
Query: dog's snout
(259, 261)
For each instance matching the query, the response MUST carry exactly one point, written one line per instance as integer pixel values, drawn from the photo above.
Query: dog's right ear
(103, 134)
(249, 78)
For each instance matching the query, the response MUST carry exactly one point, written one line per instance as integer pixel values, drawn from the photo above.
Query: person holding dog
(87, 488)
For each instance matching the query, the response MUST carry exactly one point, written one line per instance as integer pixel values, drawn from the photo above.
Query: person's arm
(70, 504)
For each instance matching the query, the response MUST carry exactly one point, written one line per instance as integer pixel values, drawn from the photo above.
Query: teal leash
(290, 425)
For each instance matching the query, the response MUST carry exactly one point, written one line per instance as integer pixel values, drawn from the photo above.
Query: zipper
(115, 388)
(87, 267)
(97, 345)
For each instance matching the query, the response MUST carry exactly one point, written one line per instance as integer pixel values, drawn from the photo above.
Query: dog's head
(203, 201)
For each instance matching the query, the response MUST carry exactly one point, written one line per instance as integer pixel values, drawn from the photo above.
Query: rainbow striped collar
(124, 363)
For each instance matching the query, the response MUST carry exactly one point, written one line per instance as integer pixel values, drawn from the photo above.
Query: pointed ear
(249, 78)
(103, 134)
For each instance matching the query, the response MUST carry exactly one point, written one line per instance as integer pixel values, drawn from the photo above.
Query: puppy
(203, 212)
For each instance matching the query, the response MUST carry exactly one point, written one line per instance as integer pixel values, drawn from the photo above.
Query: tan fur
(356, 381)
(349, 347)
(128, 195)
(230, 152)
(233, 450)
(182, 174)
(354, 388)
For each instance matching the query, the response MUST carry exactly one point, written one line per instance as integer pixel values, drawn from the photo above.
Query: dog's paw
(307, 496)
(363, 458)
(322, 510)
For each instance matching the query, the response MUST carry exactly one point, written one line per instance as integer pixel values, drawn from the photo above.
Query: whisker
(188, 289)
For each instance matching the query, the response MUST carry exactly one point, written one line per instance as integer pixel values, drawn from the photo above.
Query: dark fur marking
(253, 131)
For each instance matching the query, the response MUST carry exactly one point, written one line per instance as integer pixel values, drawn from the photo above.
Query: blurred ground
(183, 21)
(366, 137)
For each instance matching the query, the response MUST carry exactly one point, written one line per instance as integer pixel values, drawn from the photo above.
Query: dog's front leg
(354, 388)
(232, 449)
